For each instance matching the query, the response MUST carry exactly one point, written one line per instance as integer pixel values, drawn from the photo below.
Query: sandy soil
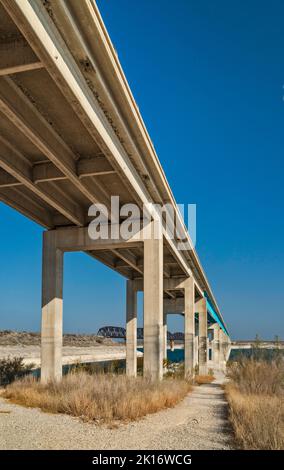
(198, 422)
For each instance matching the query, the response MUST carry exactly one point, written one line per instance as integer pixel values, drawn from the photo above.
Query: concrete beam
(174, 305)
(131, 329)
(168, 260)
(46, 172)
(26, 206)
(7, 180)
(14, 163)
(129, 260)
(77, 239)
(175, 283)
(24, 115)
(96, 166)
(52, 310)
(16, 56)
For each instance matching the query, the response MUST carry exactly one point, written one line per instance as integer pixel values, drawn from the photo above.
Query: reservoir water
(173, 356)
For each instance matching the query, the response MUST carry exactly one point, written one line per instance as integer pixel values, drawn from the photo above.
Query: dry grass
(257, 377)
(101, 397)
(255, 395)
(203, 379)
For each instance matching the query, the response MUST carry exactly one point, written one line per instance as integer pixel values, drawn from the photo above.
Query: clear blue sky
(208, 78)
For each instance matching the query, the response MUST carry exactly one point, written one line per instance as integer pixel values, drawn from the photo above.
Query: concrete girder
(171, 283)
(16, 56)
(131, 261)
(14, 163)
(23, 114)
(26, 206)
(43, 172)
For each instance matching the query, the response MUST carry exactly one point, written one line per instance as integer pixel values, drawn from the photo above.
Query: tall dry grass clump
(203, 379)
(101, 397)
(255, 394)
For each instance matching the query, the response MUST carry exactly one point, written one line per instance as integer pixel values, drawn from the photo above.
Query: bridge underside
(71, 135)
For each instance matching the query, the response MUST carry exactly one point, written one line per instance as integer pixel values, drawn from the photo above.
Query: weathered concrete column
(226, 346)
(196, 341)
(189, 327)
(223, 349)
(216, 346)
(52, 304)
(229, 344)
(153, 306)
(165, 335)
(202, 348)
(131, 329)
(222, 352)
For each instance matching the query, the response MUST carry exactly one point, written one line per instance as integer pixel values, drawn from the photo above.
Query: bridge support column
(131, 329)
(227, 347)
(153, 306)
(52, 306)
(223, 349)
(165, 335)
(216, 346)
(202, 346)
(196, 342)
(189, 327)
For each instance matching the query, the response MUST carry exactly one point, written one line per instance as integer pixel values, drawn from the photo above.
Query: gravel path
(199, 422)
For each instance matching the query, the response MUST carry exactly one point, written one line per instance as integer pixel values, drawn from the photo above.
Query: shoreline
(70, 354)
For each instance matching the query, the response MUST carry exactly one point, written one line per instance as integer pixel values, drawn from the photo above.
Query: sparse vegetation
(12, 369)
(175, 370)
(27, 338)
(100, 397)
(203, 379)
(255, 394)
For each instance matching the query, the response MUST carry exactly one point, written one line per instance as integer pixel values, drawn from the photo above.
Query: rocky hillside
(27, 338)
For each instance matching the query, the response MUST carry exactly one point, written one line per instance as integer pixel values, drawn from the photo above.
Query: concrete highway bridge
(71, 135)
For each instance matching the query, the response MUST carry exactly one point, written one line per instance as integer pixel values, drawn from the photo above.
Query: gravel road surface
(198, 422)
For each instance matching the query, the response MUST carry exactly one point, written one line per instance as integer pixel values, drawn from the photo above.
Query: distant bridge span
(118, 332)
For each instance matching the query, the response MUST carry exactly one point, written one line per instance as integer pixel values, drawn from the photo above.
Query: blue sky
(208, 78)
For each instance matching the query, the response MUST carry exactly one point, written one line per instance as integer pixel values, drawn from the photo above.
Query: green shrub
(12, 369)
